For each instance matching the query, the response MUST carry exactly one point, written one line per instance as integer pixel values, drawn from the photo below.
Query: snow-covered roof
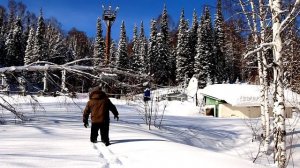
(245, 94)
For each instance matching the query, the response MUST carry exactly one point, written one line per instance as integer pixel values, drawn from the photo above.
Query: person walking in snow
(99, 106)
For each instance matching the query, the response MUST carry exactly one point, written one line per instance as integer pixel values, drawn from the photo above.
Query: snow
(245, 94)
(192, 88)
(55, 137)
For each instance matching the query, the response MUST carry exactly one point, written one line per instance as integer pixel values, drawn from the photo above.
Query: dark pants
(104, 131)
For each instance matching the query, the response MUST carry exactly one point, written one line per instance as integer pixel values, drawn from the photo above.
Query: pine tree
(152, 50)
(143, 47)
(204, 66)
(29, 48)
(40, 47)
(99, 46)
(123, 61)
(219, 42)
(182, 54)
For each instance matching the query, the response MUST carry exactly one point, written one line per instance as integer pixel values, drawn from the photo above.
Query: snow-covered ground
(55, 137)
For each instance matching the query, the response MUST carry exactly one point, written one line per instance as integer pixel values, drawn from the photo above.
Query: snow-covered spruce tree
(219, 43)
(192, 45)
(2, 35)
(9, 49)
(40, 46)
(165, 39)
(14, 45)
(204, 63)
(182, 54)
(99, 46)
(26, 31)
(160, 73)
(29, 48)
(12, 15)
(113, 53)
(136, 61)
(123, 61)
(143, 48)
(2, 16)
(18, 38)
(2, 47)
(152, 50)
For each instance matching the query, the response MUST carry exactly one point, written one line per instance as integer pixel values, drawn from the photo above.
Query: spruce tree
(113, 54)
(99, 46)
(2, 36)
(219, 42)
(123, 61)
(165, 40)
(143, 48)
(14, 45)
(40, 46)
(192, 45)
(25, 35)
(161, 75)
(2, 15)
(2, 47)
(204, 65)
(152, 50)
(136, 59)
(29, 48)
(182, 54)
(9, 49)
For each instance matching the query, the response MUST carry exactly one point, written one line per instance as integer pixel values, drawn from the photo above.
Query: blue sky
(83, 14)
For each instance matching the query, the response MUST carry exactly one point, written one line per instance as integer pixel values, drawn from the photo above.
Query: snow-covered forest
(242, 41)
(210, 46)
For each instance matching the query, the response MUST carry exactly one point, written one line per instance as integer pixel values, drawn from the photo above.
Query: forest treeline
(211, 48)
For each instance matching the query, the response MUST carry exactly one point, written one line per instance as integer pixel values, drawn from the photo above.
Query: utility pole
(109, 16)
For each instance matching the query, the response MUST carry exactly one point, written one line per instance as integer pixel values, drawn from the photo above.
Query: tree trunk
(265, 117)
(279, 107)
(262, 71)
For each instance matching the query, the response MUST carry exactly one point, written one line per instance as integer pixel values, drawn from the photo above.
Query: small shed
(240, 100)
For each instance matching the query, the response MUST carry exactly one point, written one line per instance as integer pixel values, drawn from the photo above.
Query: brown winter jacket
(99, 106)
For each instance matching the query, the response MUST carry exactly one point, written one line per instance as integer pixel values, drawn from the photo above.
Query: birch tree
(280, 21)
(258, 27)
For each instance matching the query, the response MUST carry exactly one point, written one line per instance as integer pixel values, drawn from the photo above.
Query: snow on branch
(261, 47)
(48, 66)
(291, 16)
